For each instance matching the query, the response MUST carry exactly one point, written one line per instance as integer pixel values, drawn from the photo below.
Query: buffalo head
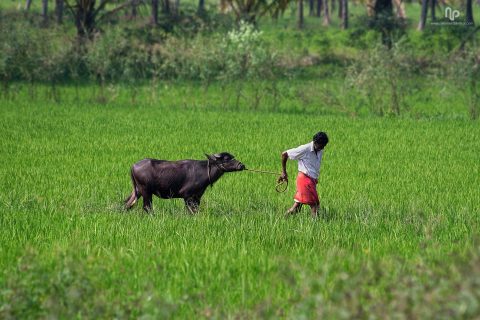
(225, 161)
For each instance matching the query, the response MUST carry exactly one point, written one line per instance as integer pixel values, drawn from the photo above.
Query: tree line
(88, 13)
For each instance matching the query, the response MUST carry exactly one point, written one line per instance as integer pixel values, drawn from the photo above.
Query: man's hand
(283, 177)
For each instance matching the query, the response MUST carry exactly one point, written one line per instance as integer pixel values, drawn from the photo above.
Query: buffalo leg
(147, 202)
(192, 204)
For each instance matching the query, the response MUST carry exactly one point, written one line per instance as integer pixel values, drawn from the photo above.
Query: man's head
(320, 140)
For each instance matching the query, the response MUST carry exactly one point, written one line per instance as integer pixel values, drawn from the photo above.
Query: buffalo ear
(209, 157)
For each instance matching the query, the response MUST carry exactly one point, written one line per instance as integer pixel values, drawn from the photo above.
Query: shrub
(464, 70)
(379, 78)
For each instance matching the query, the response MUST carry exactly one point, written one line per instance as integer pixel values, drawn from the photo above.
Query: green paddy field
(397, 234)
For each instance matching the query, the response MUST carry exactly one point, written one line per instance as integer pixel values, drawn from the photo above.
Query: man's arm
(284, 176)
(293, 154)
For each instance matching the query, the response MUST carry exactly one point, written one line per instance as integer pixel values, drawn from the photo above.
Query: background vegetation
(273, 65)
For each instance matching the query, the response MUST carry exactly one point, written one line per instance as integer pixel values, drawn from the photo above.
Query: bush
(464, 70)
(380, 78)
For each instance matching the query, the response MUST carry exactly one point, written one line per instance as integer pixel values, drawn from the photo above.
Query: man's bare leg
(294, 209)
(314, 210)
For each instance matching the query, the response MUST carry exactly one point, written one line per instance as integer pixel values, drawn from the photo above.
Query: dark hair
(321, 137)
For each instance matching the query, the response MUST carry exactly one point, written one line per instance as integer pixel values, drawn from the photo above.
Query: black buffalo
(187, 179)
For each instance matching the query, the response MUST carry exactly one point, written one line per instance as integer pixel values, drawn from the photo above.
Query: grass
(399, 226)
(397, 233)
(432, 98)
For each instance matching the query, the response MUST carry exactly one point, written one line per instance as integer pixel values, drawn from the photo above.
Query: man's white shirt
(308, 160)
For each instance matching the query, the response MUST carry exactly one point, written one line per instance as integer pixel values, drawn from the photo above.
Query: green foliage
(435, 40)
(380, 78)
(72, 289)
(246, 55)
(427, 292)
(199, 58)
(20, 54)
(111, 56)
(464, 69)
(272, 68)
(241, 54)
(247, 58)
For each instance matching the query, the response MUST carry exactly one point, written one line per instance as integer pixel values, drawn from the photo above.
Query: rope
(280, 187)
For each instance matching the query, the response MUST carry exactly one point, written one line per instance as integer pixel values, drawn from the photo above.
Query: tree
(45, 11)
(383, 9)
(400, 8)
(344, 6)
(134, 11)
(326, 15)
(469, 13)
(155, 12)
(433, 3)
(423, 15)
(165, 7)
(87, 14)
(28, 4)
(300, 14)
(311, 8)
(59, 11)
(251, 10)
(319, 8)
(201, 6)
(384, 20)
(176, 7)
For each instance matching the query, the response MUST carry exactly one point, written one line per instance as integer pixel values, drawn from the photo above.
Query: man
(309, 158)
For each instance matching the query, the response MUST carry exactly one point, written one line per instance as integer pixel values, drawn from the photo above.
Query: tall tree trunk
(155, 12)
(85, 20)
(166, 7)
(383, 8)
(400, 8)
(59, 5)
(319, 8)
(370, 8)
(332, 7)
(326, 14)
(469, 13)
(28, 4)
(300, 14)
(433, 3)
(134, 11)
(201, 6)
(45, 10)
(177, 7)
(340, 8)
(384, 20)
(311, 8)
(423, 15)
(344, 14)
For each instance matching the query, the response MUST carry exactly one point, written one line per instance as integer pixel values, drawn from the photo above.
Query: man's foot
(314, 211)
(289, 213)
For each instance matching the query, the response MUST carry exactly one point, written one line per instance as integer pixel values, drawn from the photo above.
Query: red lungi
(306, 190)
